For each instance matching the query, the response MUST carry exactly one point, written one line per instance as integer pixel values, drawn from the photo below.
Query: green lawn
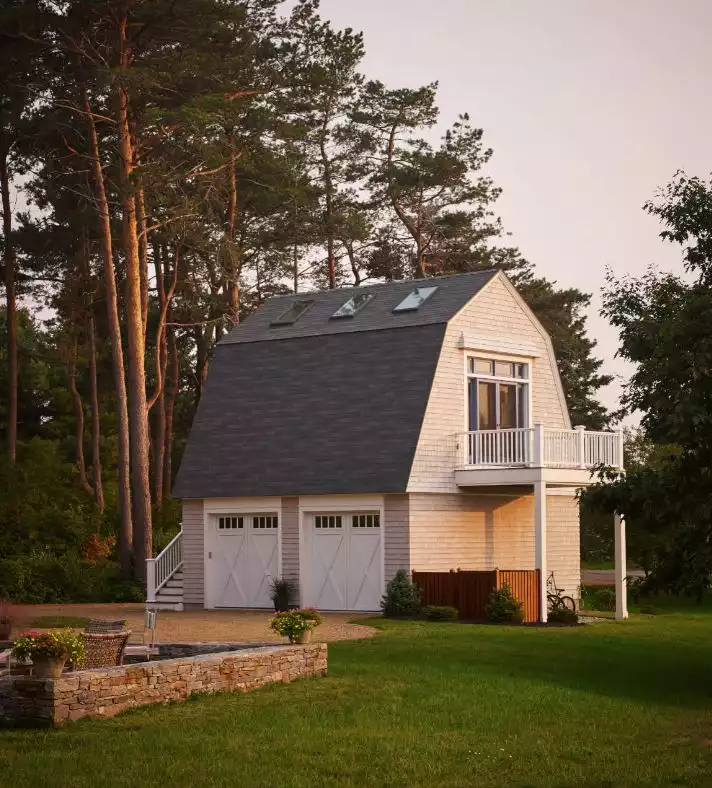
(424, 704)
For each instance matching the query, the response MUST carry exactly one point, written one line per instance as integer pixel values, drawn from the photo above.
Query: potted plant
(281, 591)
(297, 625)
(49, 651)
(5, 619)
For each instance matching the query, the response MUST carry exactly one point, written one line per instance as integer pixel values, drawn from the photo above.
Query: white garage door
(244, 560)
(346, 562)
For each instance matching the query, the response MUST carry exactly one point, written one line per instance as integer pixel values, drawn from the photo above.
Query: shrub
(598, 598)
(564, 616)
(440, 613)
(402, 597)
(503, 607)
(294, 623)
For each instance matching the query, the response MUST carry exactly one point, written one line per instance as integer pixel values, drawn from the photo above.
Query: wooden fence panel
(524, 584)
(469, 591)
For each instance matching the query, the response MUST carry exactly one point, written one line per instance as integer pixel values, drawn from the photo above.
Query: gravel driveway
(194, 626)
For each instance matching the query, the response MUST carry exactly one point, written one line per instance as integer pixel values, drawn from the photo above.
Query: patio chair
(104, 649)
(99, 625)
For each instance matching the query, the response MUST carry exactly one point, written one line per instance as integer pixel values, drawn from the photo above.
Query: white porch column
(150, 580)
(620, 570)
(540, 544)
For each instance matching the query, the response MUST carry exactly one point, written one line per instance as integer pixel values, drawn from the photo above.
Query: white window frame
(505, 357)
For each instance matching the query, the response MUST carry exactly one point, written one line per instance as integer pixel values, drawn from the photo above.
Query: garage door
(346, 561)
(244, 560)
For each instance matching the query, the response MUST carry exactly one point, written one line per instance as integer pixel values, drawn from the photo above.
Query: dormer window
(498, 394)
(293, 313)
(354, 305)
(415, 299)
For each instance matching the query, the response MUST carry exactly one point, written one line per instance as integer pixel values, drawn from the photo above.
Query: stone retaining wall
(104, 692)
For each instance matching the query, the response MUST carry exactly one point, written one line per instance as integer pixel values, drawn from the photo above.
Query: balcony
(525, 455)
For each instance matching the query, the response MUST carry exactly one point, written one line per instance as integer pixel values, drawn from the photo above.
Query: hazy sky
(590, 106)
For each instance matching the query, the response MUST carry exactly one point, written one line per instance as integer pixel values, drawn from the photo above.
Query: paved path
(604, 577)
(194, 626)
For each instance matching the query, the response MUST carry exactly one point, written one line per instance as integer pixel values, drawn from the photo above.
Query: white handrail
(542, 447)
(160, 569)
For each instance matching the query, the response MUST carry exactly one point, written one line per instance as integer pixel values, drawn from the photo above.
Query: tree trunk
(233, 293)
(329, 207)
(170, 407)
(138, 412)
(159, 413)
(143, 256)
(95, 413)
(79, 415)
(11, 313)
(117, 352)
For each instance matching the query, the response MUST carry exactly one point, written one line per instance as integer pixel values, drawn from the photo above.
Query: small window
(270, 521)
(354, 305)
(293, 313)
(521, 371)
(327, 521)
(229, 523)
(498, 368)
(366, 521)
(504, 369)
(414, 300)
(481, 366)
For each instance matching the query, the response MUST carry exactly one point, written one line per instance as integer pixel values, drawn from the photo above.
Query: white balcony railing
(160, 569)
(540, 446)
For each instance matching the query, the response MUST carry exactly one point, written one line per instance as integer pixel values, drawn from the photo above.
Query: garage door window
(366, 521)
(327, 521)
(265, 522)
(230, 523)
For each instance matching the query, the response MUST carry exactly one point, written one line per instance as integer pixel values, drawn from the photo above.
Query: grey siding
(290, 539)
(193, 553)
(396, 541)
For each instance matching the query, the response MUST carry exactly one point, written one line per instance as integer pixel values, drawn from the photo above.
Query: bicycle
(556, 598)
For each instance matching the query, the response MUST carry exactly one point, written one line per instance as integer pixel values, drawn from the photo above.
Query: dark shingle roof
(335, 406)
(452, 294)
(311, 415)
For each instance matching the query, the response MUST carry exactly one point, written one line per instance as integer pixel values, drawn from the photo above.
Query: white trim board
(503, 345)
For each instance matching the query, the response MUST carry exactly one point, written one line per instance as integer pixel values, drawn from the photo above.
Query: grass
(52, 622)
(614, 704)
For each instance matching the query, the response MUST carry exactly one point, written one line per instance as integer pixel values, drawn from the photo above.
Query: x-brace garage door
(245, 560)
(346, 571)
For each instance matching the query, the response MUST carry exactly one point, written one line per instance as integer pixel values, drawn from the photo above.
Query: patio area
(192, 626)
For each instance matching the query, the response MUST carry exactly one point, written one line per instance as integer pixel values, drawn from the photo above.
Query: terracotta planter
(305, 637)
(47, 667)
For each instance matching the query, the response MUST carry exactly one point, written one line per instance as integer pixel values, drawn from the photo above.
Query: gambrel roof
(321, 405)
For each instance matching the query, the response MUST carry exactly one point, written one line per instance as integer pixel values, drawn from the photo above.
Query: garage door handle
(210, 555)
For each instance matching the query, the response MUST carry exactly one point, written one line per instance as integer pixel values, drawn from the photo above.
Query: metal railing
(541, 446)
(160, 569)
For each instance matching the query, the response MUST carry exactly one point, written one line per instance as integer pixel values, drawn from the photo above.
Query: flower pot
(281, 602)
(305, 637)
(47, 667)
(5, 628)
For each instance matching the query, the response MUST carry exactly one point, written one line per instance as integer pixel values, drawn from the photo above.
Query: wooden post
(150, 580)
(581, 446)
(538, 448)
(620, 571)
(540, 544)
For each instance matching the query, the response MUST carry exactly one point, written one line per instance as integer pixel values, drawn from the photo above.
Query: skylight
(414, 300)
(354, 305)
(292, 314)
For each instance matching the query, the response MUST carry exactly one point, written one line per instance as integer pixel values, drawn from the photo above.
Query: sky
(590, 106)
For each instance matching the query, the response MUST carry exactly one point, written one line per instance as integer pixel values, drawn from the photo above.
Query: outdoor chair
(100, 625)
(104, 649)
(147, 648)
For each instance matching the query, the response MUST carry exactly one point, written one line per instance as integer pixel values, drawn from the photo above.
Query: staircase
(164, 577)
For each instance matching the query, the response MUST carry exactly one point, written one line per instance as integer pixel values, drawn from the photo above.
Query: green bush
(503, 607)
(47, 579)
(440, 613)
(598, 598)
(564, 616)
(402, 597)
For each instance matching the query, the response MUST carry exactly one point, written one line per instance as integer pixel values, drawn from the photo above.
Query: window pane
(521, 371)
(507, 406)
(292, 314)
(413, 301)
(504, 369)
(486, 406)
(483, 366)
(523, 417)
